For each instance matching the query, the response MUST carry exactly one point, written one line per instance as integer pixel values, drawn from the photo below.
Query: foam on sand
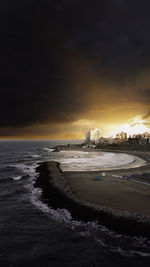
(95, 161)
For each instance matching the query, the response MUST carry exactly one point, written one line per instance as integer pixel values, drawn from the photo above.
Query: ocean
(33, 234)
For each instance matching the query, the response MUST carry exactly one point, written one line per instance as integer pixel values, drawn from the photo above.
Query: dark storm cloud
(47, 47)
(116, 32)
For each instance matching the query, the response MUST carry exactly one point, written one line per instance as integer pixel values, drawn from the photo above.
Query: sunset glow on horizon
(137, 126)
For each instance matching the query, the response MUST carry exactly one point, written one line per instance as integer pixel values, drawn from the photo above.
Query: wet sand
(114, 192)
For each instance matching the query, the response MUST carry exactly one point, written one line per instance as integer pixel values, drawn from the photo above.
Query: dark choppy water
(32, 234)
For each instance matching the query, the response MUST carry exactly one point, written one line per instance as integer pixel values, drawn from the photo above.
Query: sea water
(33, 234)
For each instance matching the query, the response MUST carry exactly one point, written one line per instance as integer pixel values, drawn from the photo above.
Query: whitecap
(35, 156)
(48, 149)
(16, 178)
(27, 169)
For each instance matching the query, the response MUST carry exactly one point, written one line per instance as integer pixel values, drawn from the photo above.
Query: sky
(72, 65)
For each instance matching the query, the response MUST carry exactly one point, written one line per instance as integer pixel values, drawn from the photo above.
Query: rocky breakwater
(57, 194)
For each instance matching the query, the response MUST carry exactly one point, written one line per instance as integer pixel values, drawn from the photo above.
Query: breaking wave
(16, 178)
(48, 149)
(26, 169)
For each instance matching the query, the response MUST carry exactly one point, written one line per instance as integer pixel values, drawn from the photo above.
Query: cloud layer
(70, 61)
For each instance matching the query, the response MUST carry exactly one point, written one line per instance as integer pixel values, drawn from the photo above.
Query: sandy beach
(115, 192)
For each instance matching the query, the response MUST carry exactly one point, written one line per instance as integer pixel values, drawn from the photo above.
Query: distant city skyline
(136, 125)
(131, 129)
(122, 137)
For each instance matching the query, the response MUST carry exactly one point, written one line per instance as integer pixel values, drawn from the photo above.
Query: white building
(122, 136)
(95, 135)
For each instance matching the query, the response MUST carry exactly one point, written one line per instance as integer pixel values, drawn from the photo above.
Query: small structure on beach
(97, 178)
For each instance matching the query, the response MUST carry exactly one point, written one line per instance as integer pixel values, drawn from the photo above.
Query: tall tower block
(88, 137)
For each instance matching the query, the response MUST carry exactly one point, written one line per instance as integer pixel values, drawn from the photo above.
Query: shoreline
(145, 155)
(140, 155)
(57, 193)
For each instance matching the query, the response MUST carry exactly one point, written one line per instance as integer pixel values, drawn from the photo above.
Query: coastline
(57, 192)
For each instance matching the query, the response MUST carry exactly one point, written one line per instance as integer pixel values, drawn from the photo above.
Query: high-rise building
(88, 137)
(122, 136)
(95, 135)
